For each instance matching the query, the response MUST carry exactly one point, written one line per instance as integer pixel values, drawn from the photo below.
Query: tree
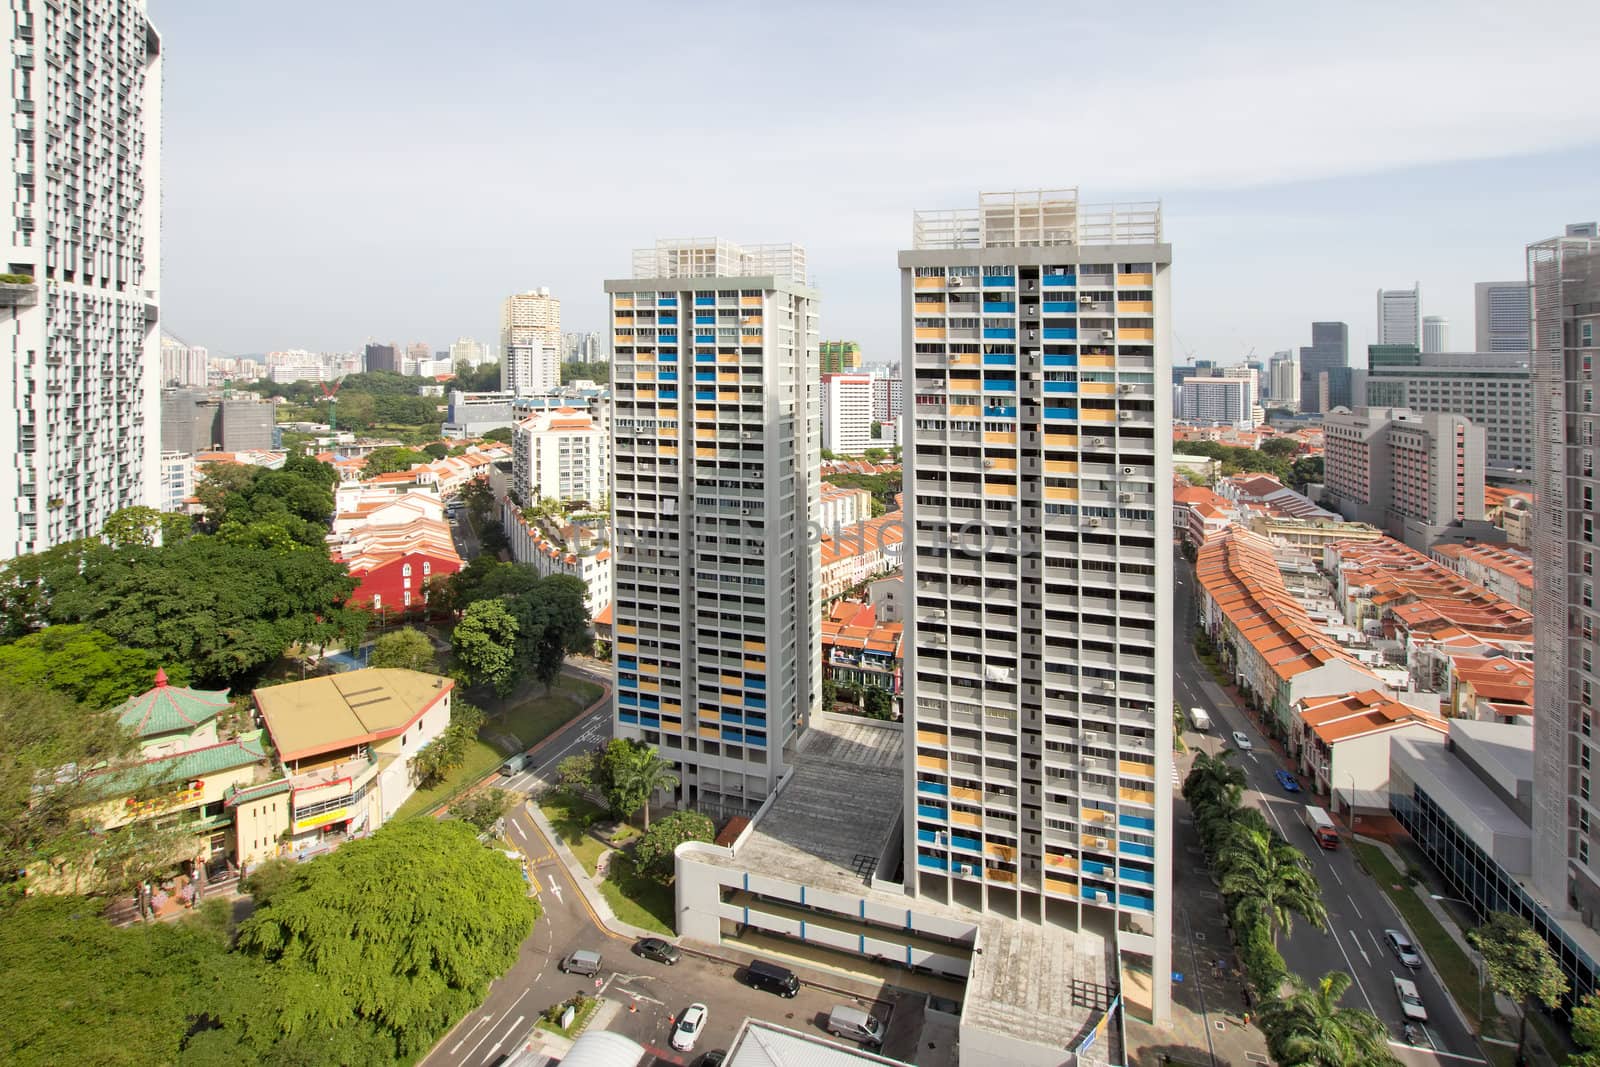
(878, 703)
(501, 434)
(435, 760)
(390, 459)
(1519, 965)
(268, 878)
(580, 773)
(84, 664)
(632, 772)
(1308, 1028)
(133, 526)
(553, 623)
(874, 455)
(480, 379)
(478, 497)
(653, 854)
(398, 934)
(1270, 880)
(830, 694)
(406, 648)
(1307, 471)
(577, 371)
(485, 643)
(1586, 1032)
(483, 808)
(1280, 447)
(437, 450)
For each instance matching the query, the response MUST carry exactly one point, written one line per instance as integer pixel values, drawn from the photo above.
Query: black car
(712, 1059)
(653, 948)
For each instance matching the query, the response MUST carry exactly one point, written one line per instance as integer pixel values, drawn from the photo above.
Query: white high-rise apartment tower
(1038, 498)
(1400, 316)
(1564, 278)
(1283, 380)
(716, 455)
(80, 436)
(530, 342)
(847, 413)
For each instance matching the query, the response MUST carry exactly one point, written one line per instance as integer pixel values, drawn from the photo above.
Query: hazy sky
(340, 170)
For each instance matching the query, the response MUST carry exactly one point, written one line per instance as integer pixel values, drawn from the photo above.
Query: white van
(855, 1024)
(1199, 720)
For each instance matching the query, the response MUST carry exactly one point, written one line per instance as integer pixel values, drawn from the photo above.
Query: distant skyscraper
(717, 446)
(840, 357)
(1283, 380)
(1329, 348)
(183, 365)
(472, 352)
(847, 413)
(384, 358)
(1502, 317)
(1564, 276)
(79, 397)
(1400, 316)
(1039, 679)
(530, 342)
(1435, 333)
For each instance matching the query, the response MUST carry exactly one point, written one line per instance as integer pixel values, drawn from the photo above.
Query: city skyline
(1415, 196)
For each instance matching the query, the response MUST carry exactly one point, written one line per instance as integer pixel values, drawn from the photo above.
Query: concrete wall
(983, 1046)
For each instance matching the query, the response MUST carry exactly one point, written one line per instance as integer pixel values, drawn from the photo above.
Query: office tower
(888, 396)
(1493, 389)
(382, 358)
(80, 392)
(1564, 279)
(1435, 333)
(840, 357)
(1283, 380)
(1341, 387)
(716, 449)
(1400, 316)
(1410, 474)
(1330, 347)
(1039, 492)
(418, 351)
(468, 351)
(199, 420)
(1502, 317)
(1215, 401)
(183, 365)
(846, 413)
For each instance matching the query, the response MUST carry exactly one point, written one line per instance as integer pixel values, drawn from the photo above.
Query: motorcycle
(1413, 1036)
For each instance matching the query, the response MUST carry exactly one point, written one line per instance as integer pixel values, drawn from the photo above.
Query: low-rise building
(581, 550)
(888, 598)
(859, 650)
(1505, 571)
(393, 547)
(346, 742)
(1198, 513)
(860, 552)
(1491, 689)
(842, 506)
(1341, 742)
(1510, 510)
(1309, 535)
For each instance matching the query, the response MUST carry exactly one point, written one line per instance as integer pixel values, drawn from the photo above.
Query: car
(1288, 781)
(582, 962)
(690, 1024)
(712, 1059)
(1242, 741)
(1404, 950)
(653, 948)
(1405, 991)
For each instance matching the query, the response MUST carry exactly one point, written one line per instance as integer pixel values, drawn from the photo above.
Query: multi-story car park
(1038, 487)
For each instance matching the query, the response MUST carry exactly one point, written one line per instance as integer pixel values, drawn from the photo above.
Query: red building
(394, 550)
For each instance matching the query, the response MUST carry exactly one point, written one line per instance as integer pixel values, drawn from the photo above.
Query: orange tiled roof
(1424, 595)
(1496, 678)
(1339, 718)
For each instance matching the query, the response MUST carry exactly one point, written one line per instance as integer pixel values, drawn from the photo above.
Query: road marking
(556, 889)
(1335, 874)
(457, 1046)
(518, 830)
(1351, 964)
(1427, 1034)
(1356, 938)
(474, 1049)
(503, 1040)
(1354, 908)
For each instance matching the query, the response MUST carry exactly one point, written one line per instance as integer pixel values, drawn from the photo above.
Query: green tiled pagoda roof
(169, 709)
(182, 766)
(237, 796)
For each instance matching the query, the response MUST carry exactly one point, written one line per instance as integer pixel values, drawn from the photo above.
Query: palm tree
(1211, 776)
(644, 774)
(1308, 1028)
(1270, 879)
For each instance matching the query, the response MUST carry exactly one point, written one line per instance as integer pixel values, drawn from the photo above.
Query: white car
(1243, 742)
(690, 1023)
(1405, 992)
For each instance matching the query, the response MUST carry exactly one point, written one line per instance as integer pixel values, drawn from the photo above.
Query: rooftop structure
(760, 1044)
(1505, 571)
(343, 710)
(713, 257)
(1037, 218)
(168, 709)
(1491, 688)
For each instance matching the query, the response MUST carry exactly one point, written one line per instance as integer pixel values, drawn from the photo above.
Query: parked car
(773, 978)
(690, 1023)
(712, 1059)
(1288, 781)
(582, 962)
(653, 948)
(1411, 1007)
(1403, 948)
(1242, 741)
(851, 1022)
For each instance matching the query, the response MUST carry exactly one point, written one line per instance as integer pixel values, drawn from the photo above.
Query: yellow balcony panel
(731, 701)
(1137, 796)
(931, 737)
(649, 668)
(751, 320)
(997, 874)
(933, 763)
(1096, 415)
(705, 413)
(755, 646)
(1128, 307)
(1135, 333)
(645, 392)
(965, 818)
(728, 359)
(622, 302)
(705, 435)
(727, 396)
(930, 333)
(999, 437)
(1105, 362)
(1000, 852)
(711, 732)
(670, 727)
(649, 687)
(1135, 769)
(671, 706)
(625, 628)
(1060, 466)
(750, 339)
(965, 385)
(925, 283)
(755, 301)
(964, 359)
(644, 375)
(1061, 885)
(929, 308)
(1135, 279)
(670, 451)
(999, 488)
(1094, 815)
(755, 664)
(709, 715)
(732, 679)
(1000, 463)
(1097, 389)
(705, 453)
(1061, 440)
(728, 377)
(627, 646)
(962, 411)
(1062, 863)
(961, 792)
(1059, 492)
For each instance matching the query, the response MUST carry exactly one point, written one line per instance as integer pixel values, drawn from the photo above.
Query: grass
(536, 718)
(1449, 961)
(481, 758)
(636, 899)
(571, 818)
(586, 1011)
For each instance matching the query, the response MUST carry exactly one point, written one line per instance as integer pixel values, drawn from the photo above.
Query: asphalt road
(1358, 911)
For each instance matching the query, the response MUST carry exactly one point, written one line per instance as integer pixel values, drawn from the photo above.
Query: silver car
(1404, 950)
(1242, 741)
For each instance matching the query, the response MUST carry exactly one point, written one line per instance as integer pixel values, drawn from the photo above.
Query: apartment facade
(530, 342)
(1038, 507)
(1492, 389)
(847, 413)
(1400, 316)
(80, 438)
(558, 455)
(888, 398)
(1564, 278)
(1501, 317)
(1216, 401)
(716, 449)
(840, 357)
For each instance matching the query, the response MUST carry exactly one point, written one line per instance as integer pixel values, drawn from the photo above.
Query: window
(405, 571)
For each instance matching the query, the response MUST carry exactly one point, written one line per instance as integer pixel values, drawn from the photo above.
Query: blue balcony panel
(1138, 822)
(705, 338)
(705, 394)
(705, 357)
(1000, 385)
(1060, 307)
(1058, 360)
(933, 863)
(629, 717)
(667, 302)
(629, 699)
(999, 307)
(1056, 281)
(1000, 359)
(1060, 333)
(928, 811)
(998, 334)
(1061, 387)
(1137, 900)
(1000, 281)
(970, 843)
(935, 789)
(1134, 874)
(666, 357)
(754, 737)
(705, 301)
(1060, 414)
(927, 835)
(705, 320)
(999, 412)
(1133, 848)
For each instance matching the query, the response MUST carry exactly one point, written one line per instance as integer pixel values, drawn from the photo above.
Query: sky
(390, 170)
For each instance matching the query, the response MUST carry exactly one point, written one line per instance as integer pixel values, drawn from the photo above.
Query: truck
(1321, 827)
(1199, 719)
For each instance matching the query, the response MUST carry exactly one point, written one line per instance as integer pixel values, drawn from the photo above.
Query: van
(514, 764)
(855, 1024)
(1199, 720)
(774, 979)
(582, 962)
(1321, 827)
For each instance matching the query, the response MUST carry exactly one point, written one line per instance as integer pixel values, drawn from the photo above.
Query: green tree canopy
(485, 643)
(1280, 447)
(480, 379)
(84, 665)
(1269, 879)
(579, 371)
(653, 853)
(1586, 1032)
(482, 809)
(1519, 965)
(404, 647)
(631, 773)
(1309, 1028)
(390, 459)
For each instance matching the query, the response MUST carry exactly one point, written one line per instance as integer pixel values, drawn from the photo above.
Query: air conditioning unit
(955, 283)
(1086, 305)
(1030, 285)
(1127, 470)
(1124, 389)
(747, 435)
(1033, 335)
(1092, 521)
(1098, 442)
(744, 511)
(1126, 498)
(988, 463)
(1108, 335)
(1031, 375)
(1125, 415)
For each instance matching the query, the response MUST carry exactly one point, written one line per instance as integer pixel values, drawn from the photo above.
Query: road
(1358, 911)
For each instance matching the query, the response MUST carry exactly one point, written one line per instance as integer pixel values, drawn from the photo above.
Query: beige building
(559, 455)
(530, 342)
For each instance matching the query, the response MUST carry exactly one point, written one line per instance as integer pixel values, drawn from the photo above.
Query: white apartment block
(1400, 316)
(182, 364)
(530, 342)
(558, 455)
(1283, 380)
(466, 350)
(888, 397)
(839, 507)
(847, 413)
(1216, 402)
(716, 450)
(1039, 497)
(80, 436)
(177, 481)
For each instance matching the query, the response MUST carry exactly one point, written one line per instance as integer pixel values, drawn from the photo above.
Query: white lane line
(556, 889)
(1355, 939)
(1349, 963)
(1354, 908)
(518, 830)
(1335, 874)
(490, 1054)
(457, 1046)
(474, 1049)
(1273, 816)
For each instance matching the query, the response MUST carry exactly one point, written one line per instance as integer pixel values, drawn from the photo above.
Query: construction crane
(333, 399)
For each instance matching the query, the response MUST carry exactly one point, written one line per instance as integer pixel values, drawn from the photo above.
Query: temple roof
(169, 709)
